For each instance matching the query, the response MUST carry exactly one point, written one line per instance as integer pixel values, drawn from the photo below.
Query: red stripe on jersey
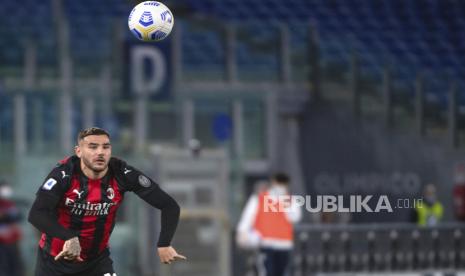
(110, 221)
(64, 218)
(42, 240)
(86, 238)
(64, 160)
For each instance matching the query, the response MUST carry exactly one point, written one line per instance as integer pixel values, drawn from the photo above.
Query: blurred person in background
(195, 147)
(430, 211)
(75, 209)
(272, 232)
(10, 233)
(247, 238)
(459, 192)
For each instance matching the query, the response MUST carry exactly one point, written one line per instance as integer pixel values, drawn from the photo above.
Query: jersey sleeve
(42, 214)
(134, 180)
(150, 192)
(55, 183)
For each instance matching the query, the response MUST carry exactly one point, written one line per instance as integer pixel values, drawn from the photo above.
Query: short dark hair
(91, 131)
(281, 178)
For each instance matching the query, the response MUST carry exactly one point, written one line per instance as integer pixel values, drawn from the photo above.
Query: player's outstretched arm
(147, 189)
(170, 212)
(42, 216)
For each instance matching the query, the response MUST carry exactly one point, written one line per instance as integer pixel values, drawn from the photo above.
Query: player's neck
(91, 174)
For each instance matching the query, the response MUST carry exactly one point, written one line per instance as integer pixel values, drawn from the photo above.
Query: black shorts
(101, 265)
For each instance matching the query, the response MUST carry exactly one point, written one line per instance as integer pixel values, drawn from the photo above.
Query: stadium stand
(411, 36)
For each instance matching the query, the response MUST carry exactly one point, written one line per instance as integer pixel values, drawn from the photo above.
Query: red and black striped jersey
(88, 207)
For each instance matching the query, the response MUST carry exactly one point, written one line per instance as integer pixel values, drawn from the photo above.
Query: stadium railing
(378, 247)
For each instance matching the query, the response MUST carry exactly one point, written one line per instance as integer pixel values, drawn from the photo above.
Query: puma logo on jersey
(126, 171)
(78, 193)
(64, 174)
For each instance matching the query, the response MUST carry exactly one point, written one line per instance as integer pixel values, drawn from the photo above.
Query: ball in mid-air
(150, 21)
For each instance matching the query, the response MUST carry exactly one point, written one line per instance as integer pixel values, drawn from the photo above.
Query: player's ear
(77, 150)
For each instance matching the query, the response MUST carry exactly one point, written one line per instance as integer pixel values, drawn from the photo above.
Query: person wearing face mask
(10, 233)
(431, 211)
(270, 231)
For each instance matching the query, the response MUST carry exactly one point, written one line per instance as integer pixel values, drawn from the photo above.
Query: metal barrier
(377, 247)
(199, 184)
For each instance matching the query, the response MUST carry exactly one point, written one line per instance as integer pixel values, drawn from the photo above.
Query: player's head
(280, 179)
(94, 148)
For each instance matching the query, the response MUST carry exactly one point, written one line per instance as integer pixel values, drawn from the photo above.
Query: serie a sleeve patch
(48, 185)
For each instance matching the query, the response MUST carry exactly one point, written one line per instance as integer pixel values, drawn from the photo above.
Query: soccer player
(75, 209)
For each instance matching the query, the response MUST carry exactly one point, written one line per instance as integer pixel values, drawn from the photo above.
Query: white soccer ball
(150, 21)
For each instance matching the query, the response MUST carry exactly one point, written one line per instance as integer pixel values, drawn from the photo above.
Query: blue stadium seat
(411, 35)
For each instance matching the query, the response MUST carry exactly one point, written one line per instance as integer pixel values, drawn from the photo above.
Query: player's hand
(169, 255)
(71, 251)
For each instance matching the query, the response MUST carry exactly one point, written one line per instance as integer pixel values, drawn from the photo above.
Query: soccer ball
(150, 21)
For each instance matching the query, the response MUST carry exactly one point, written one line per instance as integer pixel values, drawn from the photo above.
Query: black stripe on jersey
(100, 222)
(77, 220)
(48, 243)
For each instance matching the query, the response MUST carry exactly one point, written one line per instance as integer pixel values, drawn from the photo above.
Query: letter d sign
(141, 83)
